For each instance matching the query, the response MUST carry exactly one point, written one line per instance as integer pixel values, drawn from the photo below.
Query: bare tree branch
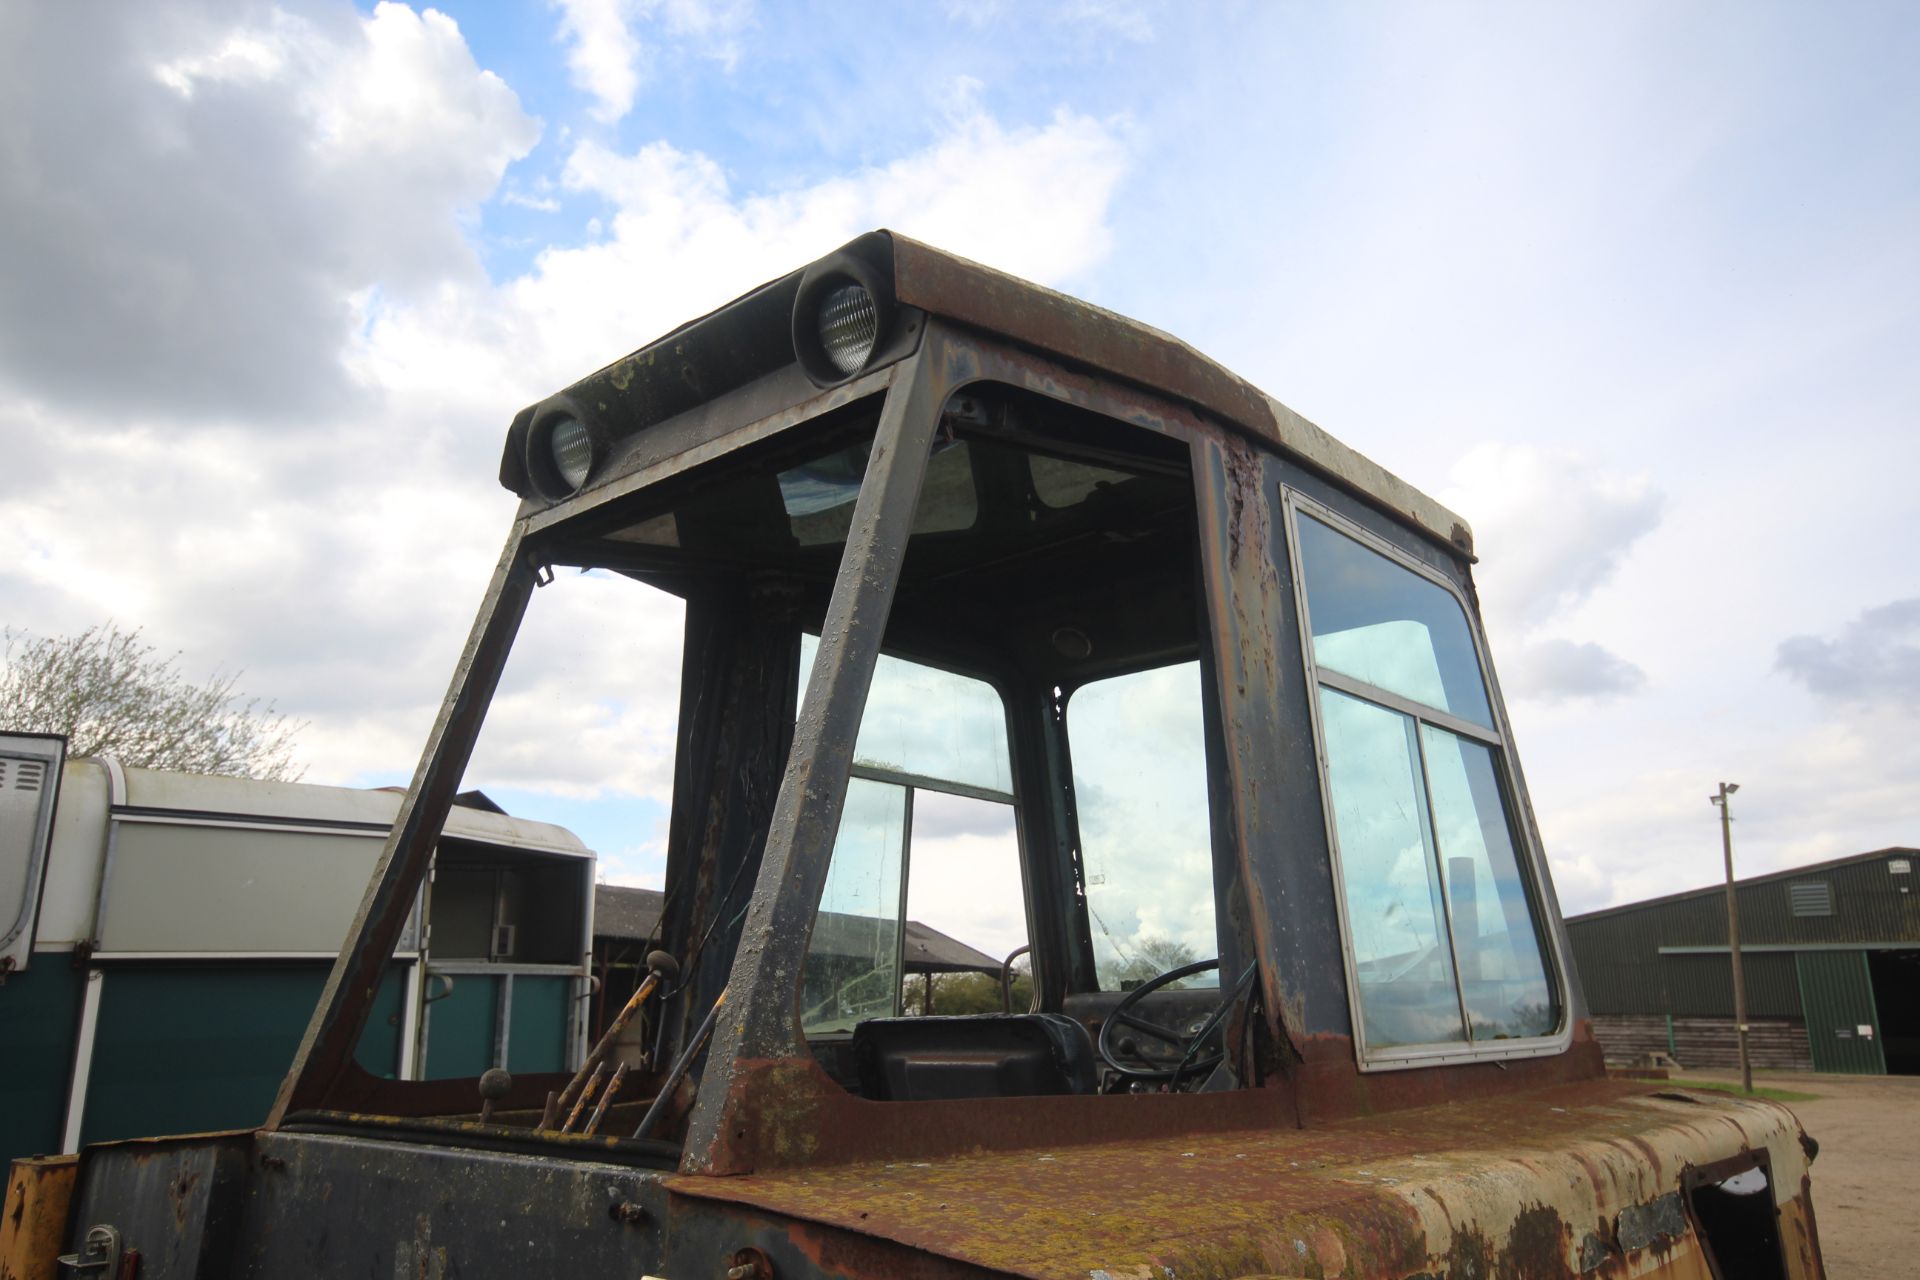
(110, 692)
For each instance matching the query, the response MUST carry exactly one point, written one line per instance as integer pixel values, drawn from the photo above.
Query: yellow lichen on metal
(1578, 1182)
(33, 1221)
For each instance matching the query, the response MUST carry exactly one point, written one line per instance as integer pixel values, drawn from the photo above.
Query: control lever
(661, 968)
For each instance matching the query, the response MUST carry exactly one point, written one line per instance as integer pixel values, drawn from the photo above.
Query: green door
(39, 1014)
(1843, 1028)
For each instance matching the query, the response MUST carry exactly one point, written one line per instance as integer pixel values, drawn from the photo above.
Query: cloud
(604, 53)
(1563, 526)
(193, 192)
(1876, 658)
(606, 56)
(1558, 670)
(679, 240)
(302, 179)
(1562, 522)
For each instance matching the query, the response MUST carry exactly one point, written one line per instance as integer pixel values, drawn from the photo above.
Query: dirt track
(1869, 1167)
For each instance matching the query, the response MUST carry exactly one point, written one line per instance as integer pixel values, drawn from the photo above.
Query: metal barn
(1830, 952)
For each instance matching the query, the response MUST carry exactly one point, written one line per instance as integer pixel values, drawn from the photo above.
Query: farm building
(1830, 952)
(164, 936)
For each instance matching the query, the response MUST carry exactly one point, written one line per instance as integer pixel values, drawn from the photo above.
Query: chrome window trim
(1519, 811)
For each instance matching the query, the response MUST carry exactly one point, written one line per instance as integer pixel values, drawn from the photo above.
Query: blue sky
(1635, 287)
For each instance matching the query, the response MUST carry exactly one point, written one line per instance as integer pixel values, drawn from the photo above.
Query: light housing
(563, 448)
(849, 327)
(572, 451)
(843, 316)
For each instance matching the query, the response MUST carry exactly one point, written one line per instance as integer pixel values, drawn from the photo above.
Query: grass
(1728, 1086)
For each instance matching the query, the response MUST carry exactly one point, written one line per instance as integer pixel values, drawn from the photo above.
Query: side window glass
(1398, 918)
(966, 904)
(1446, 943)
(925, 890)
(1377, 622)
(932, 724)
(1146, 839)
(853, 959)
(1502, 977)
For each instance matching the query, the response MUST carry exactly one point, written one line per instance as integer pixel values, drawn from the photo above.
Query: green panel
(379, 1047)
(539, 1039)
(183, 1050)
(460, 1028)
(39, 1014)
(1837, 991)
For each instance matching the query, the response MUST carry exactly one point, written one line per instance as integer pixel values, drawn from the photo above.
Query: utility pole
(1733, 933)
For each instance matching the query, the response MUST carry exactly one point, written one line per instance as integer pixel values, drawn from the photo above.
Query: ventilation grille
(22, 775)
(1812, 899)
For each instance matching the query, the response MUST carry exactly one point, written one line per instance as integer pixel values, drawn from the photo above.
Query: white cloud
(604, 53)
(679, 241)
(608, 59)
(1555, 670)
(1558, 526)
(339, 564)
(193, 193)
(1561, 523)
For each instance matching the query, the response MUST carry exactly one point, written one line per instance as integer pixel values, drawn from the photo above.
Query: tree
(956, 993)
(109, 691)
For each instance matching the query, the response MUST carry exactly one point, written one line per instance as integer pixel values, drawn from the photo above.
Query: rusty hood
(1579, 1179)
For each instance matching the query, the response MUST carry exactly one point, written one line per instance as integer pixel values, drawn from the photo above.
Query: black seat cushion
(984, 1056)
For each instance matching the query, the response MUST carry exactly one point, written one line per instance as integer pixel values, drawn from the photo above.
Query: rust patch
(181, 1189)
(1536, 1248)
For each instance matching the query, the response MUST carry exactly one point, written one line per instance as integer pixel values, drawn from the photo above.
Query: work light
(843, 319)
(572, 451)
(562, 448)
(849, 325)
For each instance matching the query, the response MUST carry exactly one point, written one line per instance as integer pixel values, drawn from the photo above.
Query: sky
(1633, 287)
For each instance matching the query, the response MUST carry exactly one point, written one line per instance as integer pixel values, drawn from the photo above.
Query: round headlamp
(563, 448)
(572, 451)
(849, 326)
(842, 318)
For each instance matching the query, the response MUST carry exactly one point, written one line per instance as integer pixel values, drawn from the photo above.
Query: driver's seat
(994, 1055)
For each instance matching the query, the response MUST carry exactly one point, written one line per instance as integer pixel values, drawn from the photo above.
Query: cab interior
(1033, 766)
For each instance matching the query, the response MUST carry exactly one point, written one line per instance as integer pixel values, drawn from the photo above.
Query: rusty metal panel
(1582, 1180)
(177, 1202)
(33, 1220)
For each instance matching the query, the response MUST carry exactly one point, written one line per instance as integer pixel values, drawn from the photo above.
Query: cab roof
(750, 337)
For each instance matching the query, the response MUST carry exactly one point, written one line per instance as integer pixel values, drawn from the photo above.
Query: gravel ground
(1868, 1171)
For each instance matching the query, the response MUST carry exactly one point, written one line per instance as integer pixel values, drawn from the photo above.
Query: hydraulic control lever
(661, 968)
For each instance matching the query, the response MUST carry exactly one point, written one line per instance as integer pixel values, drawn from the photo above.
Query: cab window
(925, 880)
(1140, 791)
(1441, 921)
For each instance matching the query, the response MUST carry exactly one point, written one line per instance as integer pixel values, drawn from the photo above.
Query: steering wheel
(1123, 1016)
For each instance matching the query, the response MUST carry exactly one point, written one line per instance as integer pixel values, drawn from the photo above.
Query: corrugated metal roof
(630, 914)
(1719, 888)
(1669, 955)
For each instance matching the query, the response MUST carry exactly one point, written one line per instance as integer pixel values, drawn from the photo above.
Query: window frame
(1519, 817)
(910, 783)
(1224, 949)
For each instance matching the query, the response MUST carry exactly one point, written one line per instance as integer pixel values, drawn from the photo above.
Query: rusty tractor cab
(949, 543)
